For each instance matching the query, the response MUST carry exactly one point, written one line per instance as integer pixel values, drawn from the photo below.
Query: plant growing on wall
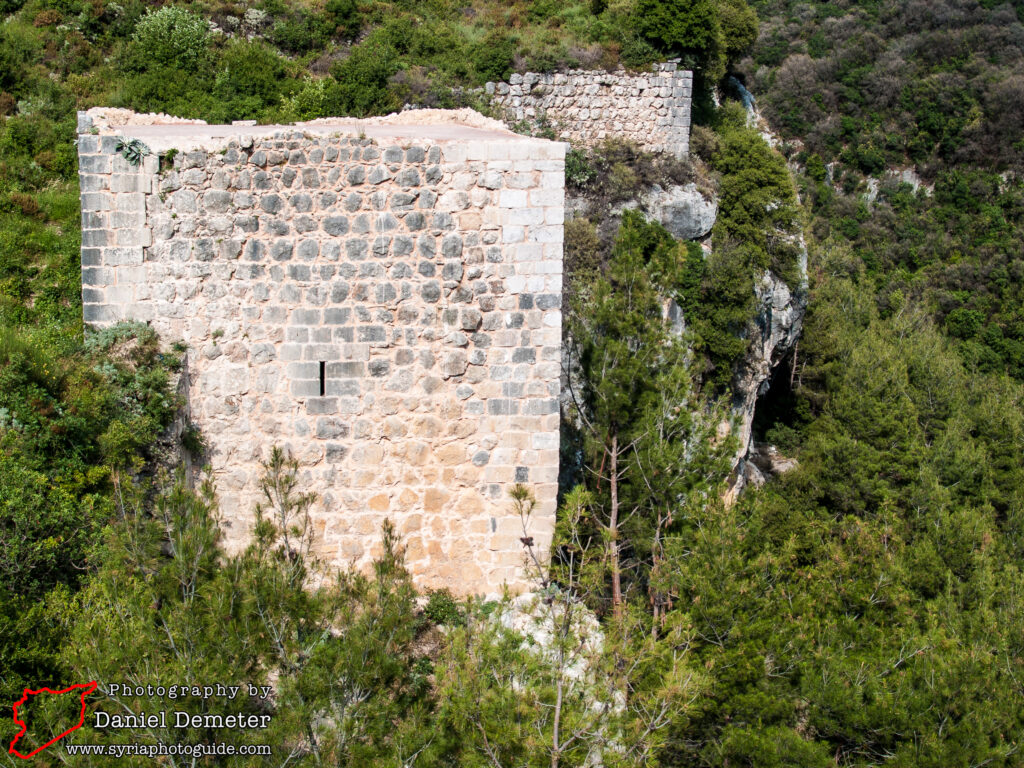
(132, 150)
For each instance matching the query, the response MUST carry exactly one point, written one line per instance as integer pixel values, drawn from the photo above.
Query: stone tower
(381, 298)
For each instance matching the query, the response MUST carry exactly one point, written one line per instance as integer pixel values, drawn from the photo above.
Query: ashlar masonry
(383, 300)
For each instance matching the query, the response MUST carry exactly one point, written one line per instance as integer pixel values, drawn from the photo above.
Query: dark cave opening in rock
(777, 412)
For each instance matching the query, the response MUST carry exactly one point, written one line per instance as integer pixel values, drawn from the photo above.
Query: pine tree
(648, 439)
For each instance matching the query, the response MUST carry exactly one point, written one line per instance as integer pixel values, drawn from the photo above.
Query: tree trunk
(613, 530)
(557, 751)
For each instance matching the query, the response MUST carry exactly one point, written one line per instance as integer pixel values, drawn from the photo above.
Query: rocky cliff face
(779, 320)
(685, 213)
(689, 213)
(682, 210)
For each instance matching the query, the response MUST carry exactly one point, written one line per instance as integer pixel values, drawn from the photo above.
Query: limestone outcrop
(682, 210)
(779, 321)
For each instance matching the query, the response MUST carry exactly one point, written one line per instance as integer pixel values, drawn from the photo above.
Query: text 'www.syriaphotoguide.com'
(159, 750)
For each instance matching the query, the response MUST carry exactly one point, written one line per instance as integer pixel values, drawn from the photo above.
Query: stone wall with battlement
(382, 300)
(651, 109)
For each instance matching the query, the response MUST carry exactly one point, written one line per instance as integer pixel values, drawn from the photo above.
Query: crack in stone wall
(422, 277)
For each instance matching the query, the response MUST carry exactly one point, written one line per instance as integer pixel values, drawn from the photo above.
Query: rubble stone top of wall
(528, 78)
(162, 132)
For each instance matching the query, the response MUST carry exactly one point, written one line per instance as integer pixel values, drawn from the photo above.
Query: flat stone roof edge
(162, 132)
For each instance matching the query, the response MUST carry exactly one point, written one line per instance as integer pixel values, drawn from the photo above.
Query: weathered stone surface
(336, 225)
(652, 109)
(780, 316)
(427, 410)
(683, 211)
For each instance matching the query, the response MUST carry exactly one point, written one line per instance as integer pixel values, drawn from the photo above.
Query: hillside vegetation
(864, 609)
(859, 88)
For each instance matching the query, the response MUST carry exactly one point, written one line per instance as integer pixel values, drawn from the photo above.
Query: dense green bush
(710, 33)
(680, 27)
(170, 37)
(302, 33)
(363, 80)
(345, 15)
(73, 416)
(441, 608)
(583, 251)
(493, 56)
(167, 64)
(70, 414)
(757, 201)
(252, 79)
(845, 607)
(739, 28)
(721, 305)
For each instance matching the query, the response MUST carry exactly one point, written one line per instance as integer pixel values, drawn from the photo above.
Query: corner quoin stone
(367, 296)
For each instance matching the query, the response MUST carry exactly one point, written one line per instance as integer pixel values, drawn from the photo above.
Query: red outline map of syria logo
(86, 689)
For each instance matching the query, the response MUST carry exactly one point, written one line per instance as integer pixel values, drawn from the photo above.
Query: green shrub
(637, 53)
(172, 91)
(739, 27)
(425, 87)
(442, 609)
(251, 79)
(783, 437)
(493, 56)
(723, 315)
(584, 251)
(682, 27)
(315, 97)
(45, 527)
(193, 441)
(964, 323)
(578, 171)
(771, 747)
(704, 142)
(757, 205)
(540, 11)
(302, 33)
(623, 182)
(171, 37)
(18, 47)
(363, 80)
(345, 16)
(816, 168)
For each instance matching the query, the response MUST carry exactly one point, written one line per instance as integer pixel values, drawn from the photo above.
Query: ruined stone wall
(420, 276)
(651, 109)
